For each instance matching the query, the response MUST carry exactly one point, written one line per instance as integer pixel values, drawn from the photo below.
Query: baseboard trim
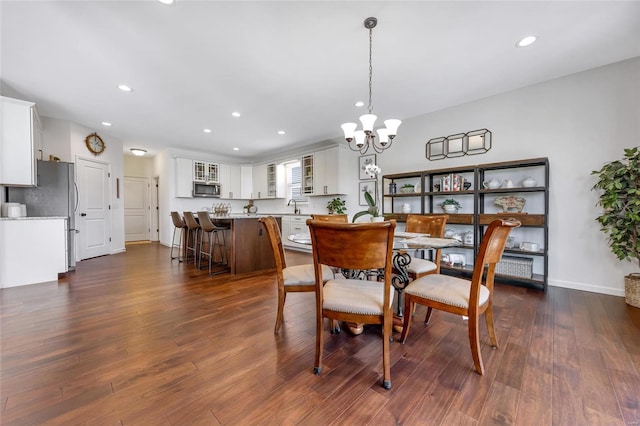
(589, 287)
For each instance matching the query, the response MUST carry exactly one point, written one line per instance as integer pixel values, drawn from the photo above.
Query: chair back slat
(273, 232)
(432, 224)
(331, 217)
(352, 245)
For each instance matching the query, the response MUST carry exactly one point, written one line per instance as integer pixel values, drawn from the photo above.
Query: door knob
(83, 214)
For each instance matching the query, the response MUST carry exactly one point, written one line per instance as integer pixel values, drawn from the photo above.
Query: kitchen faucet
(295, 206)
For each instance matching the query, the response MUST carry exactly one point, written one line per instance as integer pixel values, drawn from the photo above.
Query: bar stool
(193, 229)
(215, 238)
(178, 223)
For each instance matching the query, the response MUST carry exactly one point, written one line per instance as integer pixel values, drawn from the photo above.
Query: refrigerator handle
(75, 185)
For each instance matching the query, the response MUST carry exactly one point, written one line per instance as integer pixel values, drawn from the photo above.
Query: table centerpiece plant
(372, 171)
(619, 186)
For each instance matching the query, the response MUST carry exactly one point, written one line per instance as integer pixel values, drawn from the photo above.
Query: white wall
(578, 122)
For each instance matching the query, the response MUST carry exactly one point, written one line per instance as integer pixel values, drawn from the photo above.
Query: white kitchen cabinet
(268, 181)
(184, 177)
(20, 138)
(323, 172)
(246, 182)
(43, 240)
(230, 181)
(204, 171)
(294, 225)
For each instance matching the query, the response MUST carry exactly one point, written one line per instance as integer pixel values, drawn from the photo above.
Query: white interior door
(94, 216)
(136, 209)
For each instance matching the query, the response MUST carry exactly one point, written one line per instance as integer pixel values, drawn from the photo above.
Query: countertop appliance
(55, 195)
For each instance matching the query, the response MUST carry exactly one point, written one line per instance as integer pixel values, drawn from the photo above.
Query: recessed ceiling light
(125, 88)
(281, 132)
(139, 152)
(236, 149)
(166, 1)
(359, 104)
(526, 41)
(207, 130)
(106, 123)
(235, 114)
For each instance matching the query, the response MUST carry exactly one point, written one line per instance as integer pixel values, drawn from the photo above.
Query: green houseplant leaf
(372, 210)
(619, 197)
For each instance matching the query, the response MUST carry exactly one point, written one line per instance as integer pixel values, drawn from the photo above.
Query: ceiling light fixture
(139, 152)
(236, 149)
(207, 130)
(106, 123)
(366, 138)
(526, 41)
(125, 88)
(166, 1)
(281, 132)
(235, 114)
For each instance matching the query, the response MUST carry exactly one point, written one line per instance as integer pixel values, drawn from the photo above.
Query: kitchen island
(248, 247)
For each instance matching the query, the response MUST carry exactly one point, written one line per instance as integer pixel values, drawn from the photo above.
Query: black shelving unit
(478, 210)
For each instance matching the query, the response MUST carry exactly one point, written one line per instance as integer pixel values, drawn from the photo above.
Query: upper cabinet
(20, 139)
(184, 177)
(322, 172)
(230, 181)
(206, 172)
(268, 181)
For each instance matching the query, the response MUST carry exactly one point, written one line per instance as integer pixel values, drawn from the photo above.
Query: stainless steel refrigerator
(55, 195)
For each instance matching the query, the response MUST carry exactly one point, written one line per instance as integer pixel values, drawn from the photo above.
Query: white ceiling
(296, 66)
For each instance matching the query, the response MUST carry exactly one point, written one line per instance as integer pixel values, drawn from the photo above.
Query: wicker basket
(632, 290)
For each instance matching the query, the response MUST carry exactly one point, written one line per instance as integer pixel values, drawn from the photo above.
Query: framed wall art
(363, 162)
(367, 186)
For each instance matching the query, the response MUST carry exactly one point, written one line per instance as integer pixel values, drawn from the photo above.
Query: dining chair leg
(406, 320)
(281, 299)
(386, 337)
(474, 342)
(428, 316)
(488, 316)
(317, 369)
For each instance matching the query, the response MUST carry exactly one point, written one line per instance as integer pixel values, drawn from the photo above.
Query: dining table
(404, 245)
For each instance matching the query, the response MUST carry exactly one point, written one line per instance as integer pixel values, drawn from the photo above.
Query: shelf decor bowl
(407, 189)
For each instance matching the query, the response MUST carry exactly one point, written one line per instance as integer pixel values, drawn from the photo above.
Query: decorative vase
(406, 208)
(449, 208)
(377, 218)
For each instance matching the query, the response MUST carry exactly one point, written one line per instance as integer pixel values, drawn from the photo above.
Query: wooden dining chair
(331, 217)
(432, 224)
(298, 278)
(463, 297)
(355, 246)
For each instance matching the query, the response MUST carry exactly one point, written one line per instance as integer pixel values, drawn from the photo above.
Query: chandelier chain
(370, 68)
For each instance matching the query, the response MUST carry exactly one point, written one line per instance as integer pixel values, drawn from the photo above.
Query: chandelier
(366, 137)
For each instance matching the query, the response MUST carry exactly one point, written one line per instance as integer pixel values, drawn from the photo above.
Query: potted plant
(372, 210)
(336, 206)
(450, 205)
(408, 188)
(619, 183)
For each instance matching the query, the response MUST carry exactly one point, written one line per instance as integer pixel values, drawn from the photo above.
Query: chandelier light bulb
(349, 129)
(392, 126)
(368, 120)
(359, 134)
(383, 136)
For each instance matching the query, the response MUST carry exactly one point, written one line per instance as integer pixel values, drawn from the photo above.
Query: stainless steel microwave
(206, 190)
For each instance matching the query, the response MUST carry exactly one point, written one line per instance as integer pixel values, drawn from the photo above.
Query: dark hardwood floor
(136, 339)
